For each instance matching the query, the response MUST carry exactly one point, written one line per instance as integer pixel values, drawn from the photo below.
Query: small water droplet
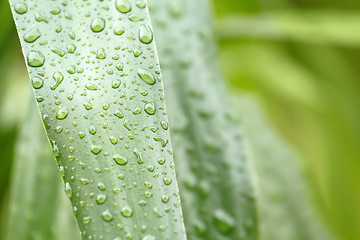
(97, 24)
(107, 216)
(35, 59)
(90, 86)
(37, 82)
(145, 34)
(68, 190)
(164, 125)
(126, 211)
(120, 159)
(119, 114)
(92, 130)
(96, 149)
(100, 199)
(62, 113)
(101, 187)
(135, 18)
(167, 181)
(150, 108)
(147, 76)
(119, 31)
(123, 6)
(20, 8)
(115, 84)
(32, 35)
(84, 181)
(101, 54)
(86, 220)
(165, 198)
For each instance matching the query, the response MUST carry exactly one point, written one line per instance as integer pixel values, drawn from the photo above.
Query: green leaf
(284, 202)
(213, 172)
(37, 206)
(97, 81)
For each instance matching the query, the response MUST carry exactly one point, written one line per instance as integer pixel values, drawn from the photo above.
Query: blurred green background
(292, 70)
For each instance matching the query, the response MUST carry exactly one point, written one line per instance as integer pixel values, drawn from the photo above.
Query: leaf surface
(96, 77)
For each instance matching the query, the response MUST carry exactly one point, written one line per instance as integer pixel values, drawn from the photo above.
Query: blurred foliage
(303, 67)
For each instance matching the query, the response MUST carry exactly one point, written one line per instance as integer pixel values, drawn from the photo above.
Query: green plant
(95, 73)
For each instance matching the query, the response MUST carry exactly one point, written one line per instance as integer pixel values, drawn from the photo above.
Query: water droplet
(147, 76)
(96, 149)
(68, 190)
(137, 52)
(58, 77)
(101, 54)
(35, 59)
(71, 48)
(138, 156)
(145, 34)
(32, 35)
(164, 125)
(84, 181)
(223, 221)
(37, 82)
(91, 87)
(58, 51)
(135, 18)
(101, 198)
(150, 108)
(115, 84)
(161, 161)
(119, 31)
(126, 211)
(97, 24)
(20, 8)
(162, 140)
(55, 11)
(62, 113)
(88, 105)
(165, 198)
(92, 130)
(119, 114)
(123, 6)
(86, 220)
(137, 111)
(113, 140)
(167, 181)
(140, 4)
(40, 18)
(101, 187)
(70, 69)
(107, 216)
(148, 194)
(120, 159)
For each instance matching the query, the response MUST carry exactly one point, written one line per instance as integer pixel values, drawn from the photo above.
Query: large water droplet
(145, 34)
(147, 76)
(126, 211)
(35, 59)
(120, 159)
(150, 108)
(97, 24)
(62, 113)
(20, 8)
(123, 6)
(32, 35)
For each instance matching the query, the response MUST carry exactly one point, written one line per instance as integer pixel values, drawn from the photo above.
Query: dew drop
(84, 181)
(119, 114)
(37, 82)
(97, 24)
(20, 8)
(32, 35)
(86, 220)
(35, 59)
(123, 6)
(100, 199)
(119, 31)
(107, 216)
(120, 159)
(62, 113)
(165, 198)
(58, 77)
(164, 125)
(101, 54)
(147, 76)
(90, 86)
(68, 190)
(101, 187)
(145, 34)
(96, 149)
(167, 181)
(115, 84)
(150, 108)
(126, 211)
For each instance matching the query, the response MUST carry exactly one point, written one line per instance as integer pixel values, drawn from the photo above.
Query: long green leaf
(214, 176)
(96, 78)
(37, 206)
